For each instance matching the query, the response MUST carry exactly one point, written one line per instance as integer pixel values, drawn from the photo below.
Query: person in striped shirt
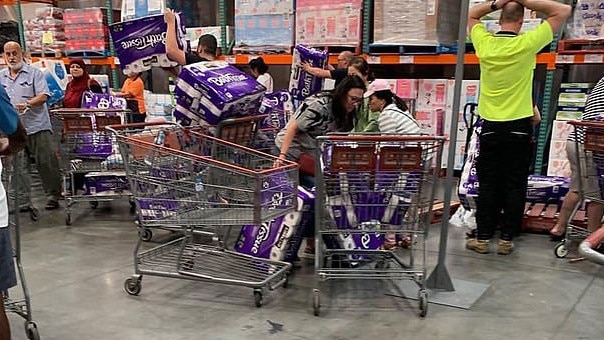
(394, 116)
(594, 110)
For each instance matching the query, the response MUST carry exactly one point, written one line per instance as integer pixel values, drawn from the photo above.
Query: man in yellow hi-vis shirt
(507, 60)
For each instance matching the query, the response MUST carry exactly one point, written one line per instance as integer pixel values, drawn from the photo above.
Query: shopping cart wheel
(316, 301)
(145, 234)
(68, 218)
(34, 214)
(31, 329)
(258, 298)
(133, 286)
(94, 204)
(423, 303)
(561, 250)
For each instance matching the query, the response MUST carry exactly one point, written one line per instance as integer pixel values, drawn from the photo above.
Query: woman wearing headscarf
(79, 83)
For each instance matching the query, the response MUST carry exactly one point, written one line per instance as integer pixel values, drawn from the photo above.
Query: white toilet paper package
(214, 91)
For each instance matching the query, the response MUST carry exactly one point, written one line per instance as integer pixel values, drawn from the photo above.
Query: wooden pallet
(438, 207)
(574, 46)
(540, 218)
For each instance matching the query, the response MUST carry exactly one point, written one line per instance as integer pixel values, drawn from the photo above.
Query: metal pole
(439, 278)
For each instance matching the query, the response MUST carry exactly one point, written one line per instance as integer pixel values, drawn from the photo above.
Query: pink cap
(375, 86)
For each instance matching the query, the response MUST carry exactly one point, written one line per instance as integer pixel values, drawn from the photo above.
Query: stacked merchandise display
(587, 20)
(193, 34)
(571, 104)
(264, 26)
(415, 21)
(45, 32)
(430, 105)
(469, 94)
(132, 9)
(324, 23)
(87, 29)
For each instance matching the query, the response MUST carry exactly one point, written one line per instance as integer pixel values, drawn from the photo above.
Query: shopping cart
(374, 195)
(198, 184)
(590, 160)
(22, 305)
(92, 169)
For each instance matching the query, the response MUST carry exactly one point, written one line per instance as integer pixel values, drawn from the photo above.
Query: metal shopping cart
(92, 167)
(187, 181)
(374, 195)
(21, 305)
(590, 160)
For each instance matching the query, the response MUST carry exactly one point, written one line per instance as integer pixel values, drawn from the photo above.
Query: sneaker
(505, 247)
(479, 246)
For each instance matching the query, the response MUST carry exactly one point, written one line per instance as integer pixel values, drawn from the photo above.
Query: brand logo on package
(307, 82)
(262, 236)
(141, 43)
(227, 78)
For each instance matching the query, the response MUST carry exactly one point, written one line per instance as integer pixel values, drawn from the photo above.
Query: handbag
(306, 162)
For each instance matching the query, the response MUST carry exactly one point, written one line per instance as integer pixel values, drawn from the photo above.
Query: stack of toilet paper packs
(211, 91)
(140, 44)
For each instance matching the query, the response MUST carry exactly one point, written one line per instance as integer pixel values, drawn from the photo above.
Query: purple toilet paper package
(303, 84)
(545, 189)
(106, 183)
(272, 239)
(157, 208)
(91, 100)
(93, 145)
(279, 107)
(216, 90)
(141, 43)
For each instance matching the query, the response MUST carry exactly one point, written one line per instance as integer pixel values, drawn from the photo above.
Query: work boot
(504, 247)
(479, 246)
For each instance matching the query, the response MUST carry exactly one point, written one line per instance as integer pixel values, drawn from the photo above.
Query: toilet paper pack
(215, 90)
(303, 84)
(279, 106)
(106, 183)
(273, 240)
(140, 44)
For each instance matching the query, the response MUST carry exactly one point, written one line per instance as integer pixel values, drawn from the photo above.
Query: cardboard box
(560, 130)
(416, 21)
(263, 6)
(431, 93)
(328, 24)
(558, 167)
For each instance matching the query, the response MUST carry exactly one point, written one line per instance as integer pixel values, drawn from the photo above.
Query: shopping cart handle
(357, 137)
(584, 123)
(118, 127)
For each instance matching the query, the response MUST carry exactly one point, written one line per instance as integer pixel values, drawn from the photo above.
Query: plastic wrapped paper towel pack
(213, 91)
(303, 84)
(140, 44)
